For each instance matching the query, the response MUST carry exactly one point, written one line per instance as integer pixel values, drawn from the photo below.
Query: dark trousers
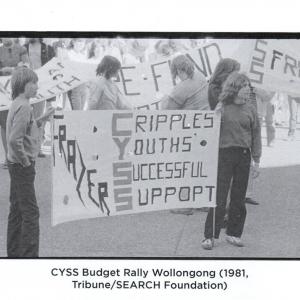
(234, 163)
(269, 118)
(23, 219)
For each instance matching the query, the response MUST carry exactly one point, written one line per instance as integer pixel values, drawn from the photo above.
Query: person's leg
(30, 213)
(250, 188)
(293, 116)
(223, 183)
(270, 124)
(237, 207)
(14, 226)
(227, 207)
(249, 192)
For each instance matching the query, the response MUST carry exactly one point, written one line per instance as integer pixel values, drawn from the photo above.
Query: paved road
(271, 230)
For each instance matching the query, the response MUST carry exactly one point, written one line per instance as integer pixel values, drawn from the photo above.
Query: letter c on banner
(115, 118)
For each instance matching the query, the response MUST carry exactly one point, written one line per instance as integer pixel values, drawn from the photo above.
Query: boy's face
(31, 89)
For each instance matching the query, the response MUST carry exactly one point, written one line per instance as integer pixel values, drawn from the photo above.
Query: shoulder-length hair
(20, 77)
(223, 69)
(108, 66)
(231, 87)
(183, 64)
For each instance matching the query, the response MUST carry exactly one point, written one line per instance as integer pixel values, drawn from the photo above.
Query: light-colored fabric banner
(56, 77)
(109, 163)
(275, 66)
(270, 64)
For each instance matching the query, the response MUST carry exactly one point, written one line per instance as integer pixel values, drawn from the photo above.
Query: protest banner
(108, 163)
(55, 77)
(275, 66)
(270, 65)
(143, 84)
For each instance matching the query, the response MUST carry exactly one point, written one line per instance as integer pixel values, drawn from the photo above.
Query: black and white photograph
(134, 145)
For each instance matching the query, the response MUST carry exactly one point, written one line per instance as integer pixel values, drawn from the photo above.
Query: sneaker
(235, 241)
(249, 200)
(207, 244)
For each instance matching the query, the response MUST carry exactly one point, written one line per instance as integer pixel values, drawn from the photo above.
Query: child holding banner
(189, 94)
(24, 135)
(105, 94)
(240, 139)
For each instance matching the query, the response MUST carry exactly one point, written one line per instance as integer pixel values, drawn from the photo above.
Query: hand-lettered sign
(270, 64)
(110, 163)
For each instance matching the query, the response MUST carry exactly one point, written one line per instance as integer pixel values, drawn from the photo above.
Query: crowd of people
(241, 106)
(35, 52)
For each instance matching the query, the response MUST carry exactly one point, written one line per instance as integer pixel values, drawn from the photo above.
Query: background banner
(275, 66)
(270, 64)
(55, 77)
(110, 163)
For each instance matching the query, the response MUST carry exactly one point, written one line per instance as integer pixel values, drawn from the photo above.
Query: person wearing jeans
(234, 162)
(24, 135)
(23, 220)
(240, 140)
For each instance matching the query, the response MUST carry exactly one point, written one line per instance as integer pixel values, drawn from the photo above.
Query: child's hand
(48, 113)
(255, 169)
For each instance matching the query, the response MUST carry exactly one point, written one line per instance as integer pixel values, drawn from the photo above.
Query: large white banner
(143, 84)
(271, 64)
(275, 65)
(110, 163)
(56, 77)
